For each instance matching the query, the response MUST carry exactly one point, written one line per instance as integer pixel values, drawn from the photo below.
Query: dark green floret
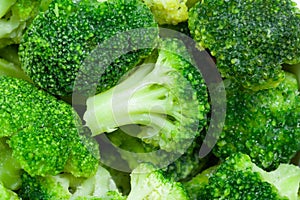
(249, 39)
(56, 45)
(42, 131)
(262, 124)
(165, 103)
(238, 178)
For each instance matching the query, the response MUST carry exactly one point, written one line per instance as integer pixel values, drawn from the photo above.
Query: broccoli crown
(15, 15)
(147, 182)
(65, 187)
(55, 46)
(250, 39)
(239, 178)
(262, 124)
(7, 194)
(168, 12)
(41, 129)
(165, 102)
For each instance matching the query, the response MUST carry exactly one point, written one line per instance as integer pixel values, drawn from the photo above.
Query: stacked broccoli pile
(115, 99)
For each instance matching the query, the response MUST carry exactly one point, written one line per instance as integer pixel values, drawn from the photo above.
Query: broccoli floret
(239, 178)
(165, 103)
(168, 11)
(42, 131)
(9, 63)
(249, 39)
(55, 47)
(15, 16)
(262, 124)
(7, 194)
(65, 187)
(10, 169)
(148, 182)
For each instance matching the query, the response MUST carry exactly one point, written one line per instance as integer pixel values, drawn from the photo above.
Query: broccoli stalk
(167, 101)
(239, 178)
(7, 193)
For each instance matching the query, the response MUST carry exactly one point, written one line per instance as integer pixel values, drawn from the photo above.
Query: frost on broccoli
(249, 39)
(147, 182)
(262, 124)
(52, 53)
(43, 132)
(168, 11)
(99, 186)
(239, 178)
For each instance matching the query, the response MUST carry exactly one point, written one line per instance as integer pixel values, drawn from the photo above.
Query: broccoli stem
(140, 99)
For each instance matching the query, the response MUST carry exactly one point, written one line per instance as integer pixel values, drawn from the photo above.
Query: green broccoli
(57, 44)
(239, 178)
(262, 124)
(9, 63)
(148, 182)
(163, 103)
(249, 39)
(10, 169)
(168, 11)
(15, 16)
(7, 194)
(43, 132)
(99, 186)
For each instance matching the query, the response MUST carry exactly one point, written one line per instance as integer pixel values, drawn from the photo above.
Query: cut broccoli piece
(7, 194)
(239, 178)
(9, 63)
(166, 102)
(10, 169)
(168, 11)
(250, 39)
(42, 131)
(15, 16)
(147, 182)
(262, 124)
(65, 187)
(52, 53)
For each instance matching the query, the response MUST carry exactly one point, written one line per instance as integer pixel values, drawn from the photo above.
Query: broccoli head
(15, 16)
(168, 12)
(59, 40)
(249, 39)
(99, 186)
(164, 103)
(262, 123)
(239, 178)
(43, 132)
(148, 182)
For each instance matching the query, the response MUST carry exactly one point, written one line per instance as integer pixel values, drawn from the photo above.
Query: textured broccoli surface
(239, 178)
(249, 39)
(57, 43)
(165, 102)
(168, 11)
(64, 186)
(147, 182)
(42, 131)
(262, 124)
